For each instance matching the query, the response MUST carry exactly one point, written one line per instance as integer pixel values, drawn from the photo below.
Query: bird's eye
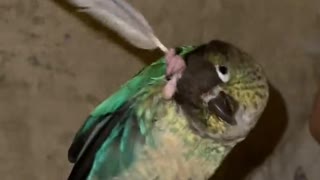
(223, 73)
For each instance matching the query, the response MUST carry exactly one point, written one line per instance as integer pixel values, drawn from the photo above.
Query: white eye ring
(223, 73)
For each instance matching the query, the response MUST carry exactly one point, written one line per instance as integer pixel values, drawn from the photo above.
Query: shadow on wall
(146, 56)
(259, 144)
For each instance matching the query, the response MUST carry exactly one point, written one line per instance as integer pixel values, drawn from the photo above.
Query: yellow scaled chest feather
(178, 153)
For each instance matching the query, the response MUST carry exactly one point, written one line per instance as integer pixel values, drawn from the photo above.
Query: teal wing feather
(112, 143)
(112, 130)
(112, 103)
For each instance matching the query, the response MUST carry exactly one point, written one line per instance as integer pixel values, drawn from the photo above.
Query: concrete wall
(57, 65)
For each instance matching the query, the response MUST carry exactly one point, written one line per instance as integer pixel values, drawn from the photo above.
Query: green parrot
(176, 119)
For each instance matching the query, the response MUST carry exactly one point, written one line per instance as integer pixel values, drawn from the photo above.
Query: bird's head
(222, 90)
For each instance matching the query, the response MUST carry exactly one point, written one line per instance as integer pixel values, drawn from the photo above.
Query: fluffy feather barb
(123, 19)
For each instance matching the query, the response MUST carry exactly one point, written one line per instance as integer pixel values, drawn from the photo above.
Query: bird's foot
(175, 68)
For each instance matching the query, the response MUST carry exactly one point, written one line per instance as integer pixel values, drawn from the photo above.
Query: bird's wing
(113, 122)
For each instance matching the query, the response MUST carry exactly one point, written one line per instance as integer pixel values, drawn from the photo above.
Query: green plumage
(137, 134)
(128, 90)
(122, 131)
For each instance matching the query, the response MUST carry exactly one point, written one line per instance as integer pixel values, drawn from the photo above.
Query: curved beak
(225, 107)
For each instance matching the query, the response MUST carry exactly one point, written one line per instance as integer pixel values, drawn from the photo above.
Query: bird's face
(223, 91)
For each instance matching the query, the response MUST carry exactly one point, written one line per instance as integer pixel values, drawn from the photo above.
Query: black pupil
(223, 70)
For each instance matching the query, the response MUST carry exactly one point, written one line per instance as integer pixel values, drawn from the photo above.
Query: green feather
(128, 90)
(117, 152)
(119, 147)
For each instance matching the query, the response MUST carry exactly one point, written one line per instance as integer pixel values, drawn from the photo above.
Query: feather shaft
(122, 18)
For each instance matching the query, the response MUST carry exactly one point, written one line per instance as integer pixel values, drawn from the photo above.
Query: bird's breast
(177, 153)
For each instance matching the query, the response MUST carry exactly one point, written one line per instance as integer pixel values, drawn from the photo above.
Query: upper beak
(225, 107)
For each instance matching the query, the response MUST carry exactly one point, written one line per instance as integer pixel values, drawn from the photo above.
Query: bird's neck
(170, 124)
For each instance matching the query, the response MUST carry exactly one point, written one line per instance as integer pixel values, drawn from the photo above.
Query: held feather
(123, 19)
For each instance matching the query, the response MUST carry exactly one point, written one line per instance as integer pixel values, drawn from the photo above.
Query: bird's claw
(174, 70)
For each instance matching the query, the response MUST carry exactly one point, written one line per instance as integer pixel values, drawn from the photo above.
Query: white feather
(123, 19)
